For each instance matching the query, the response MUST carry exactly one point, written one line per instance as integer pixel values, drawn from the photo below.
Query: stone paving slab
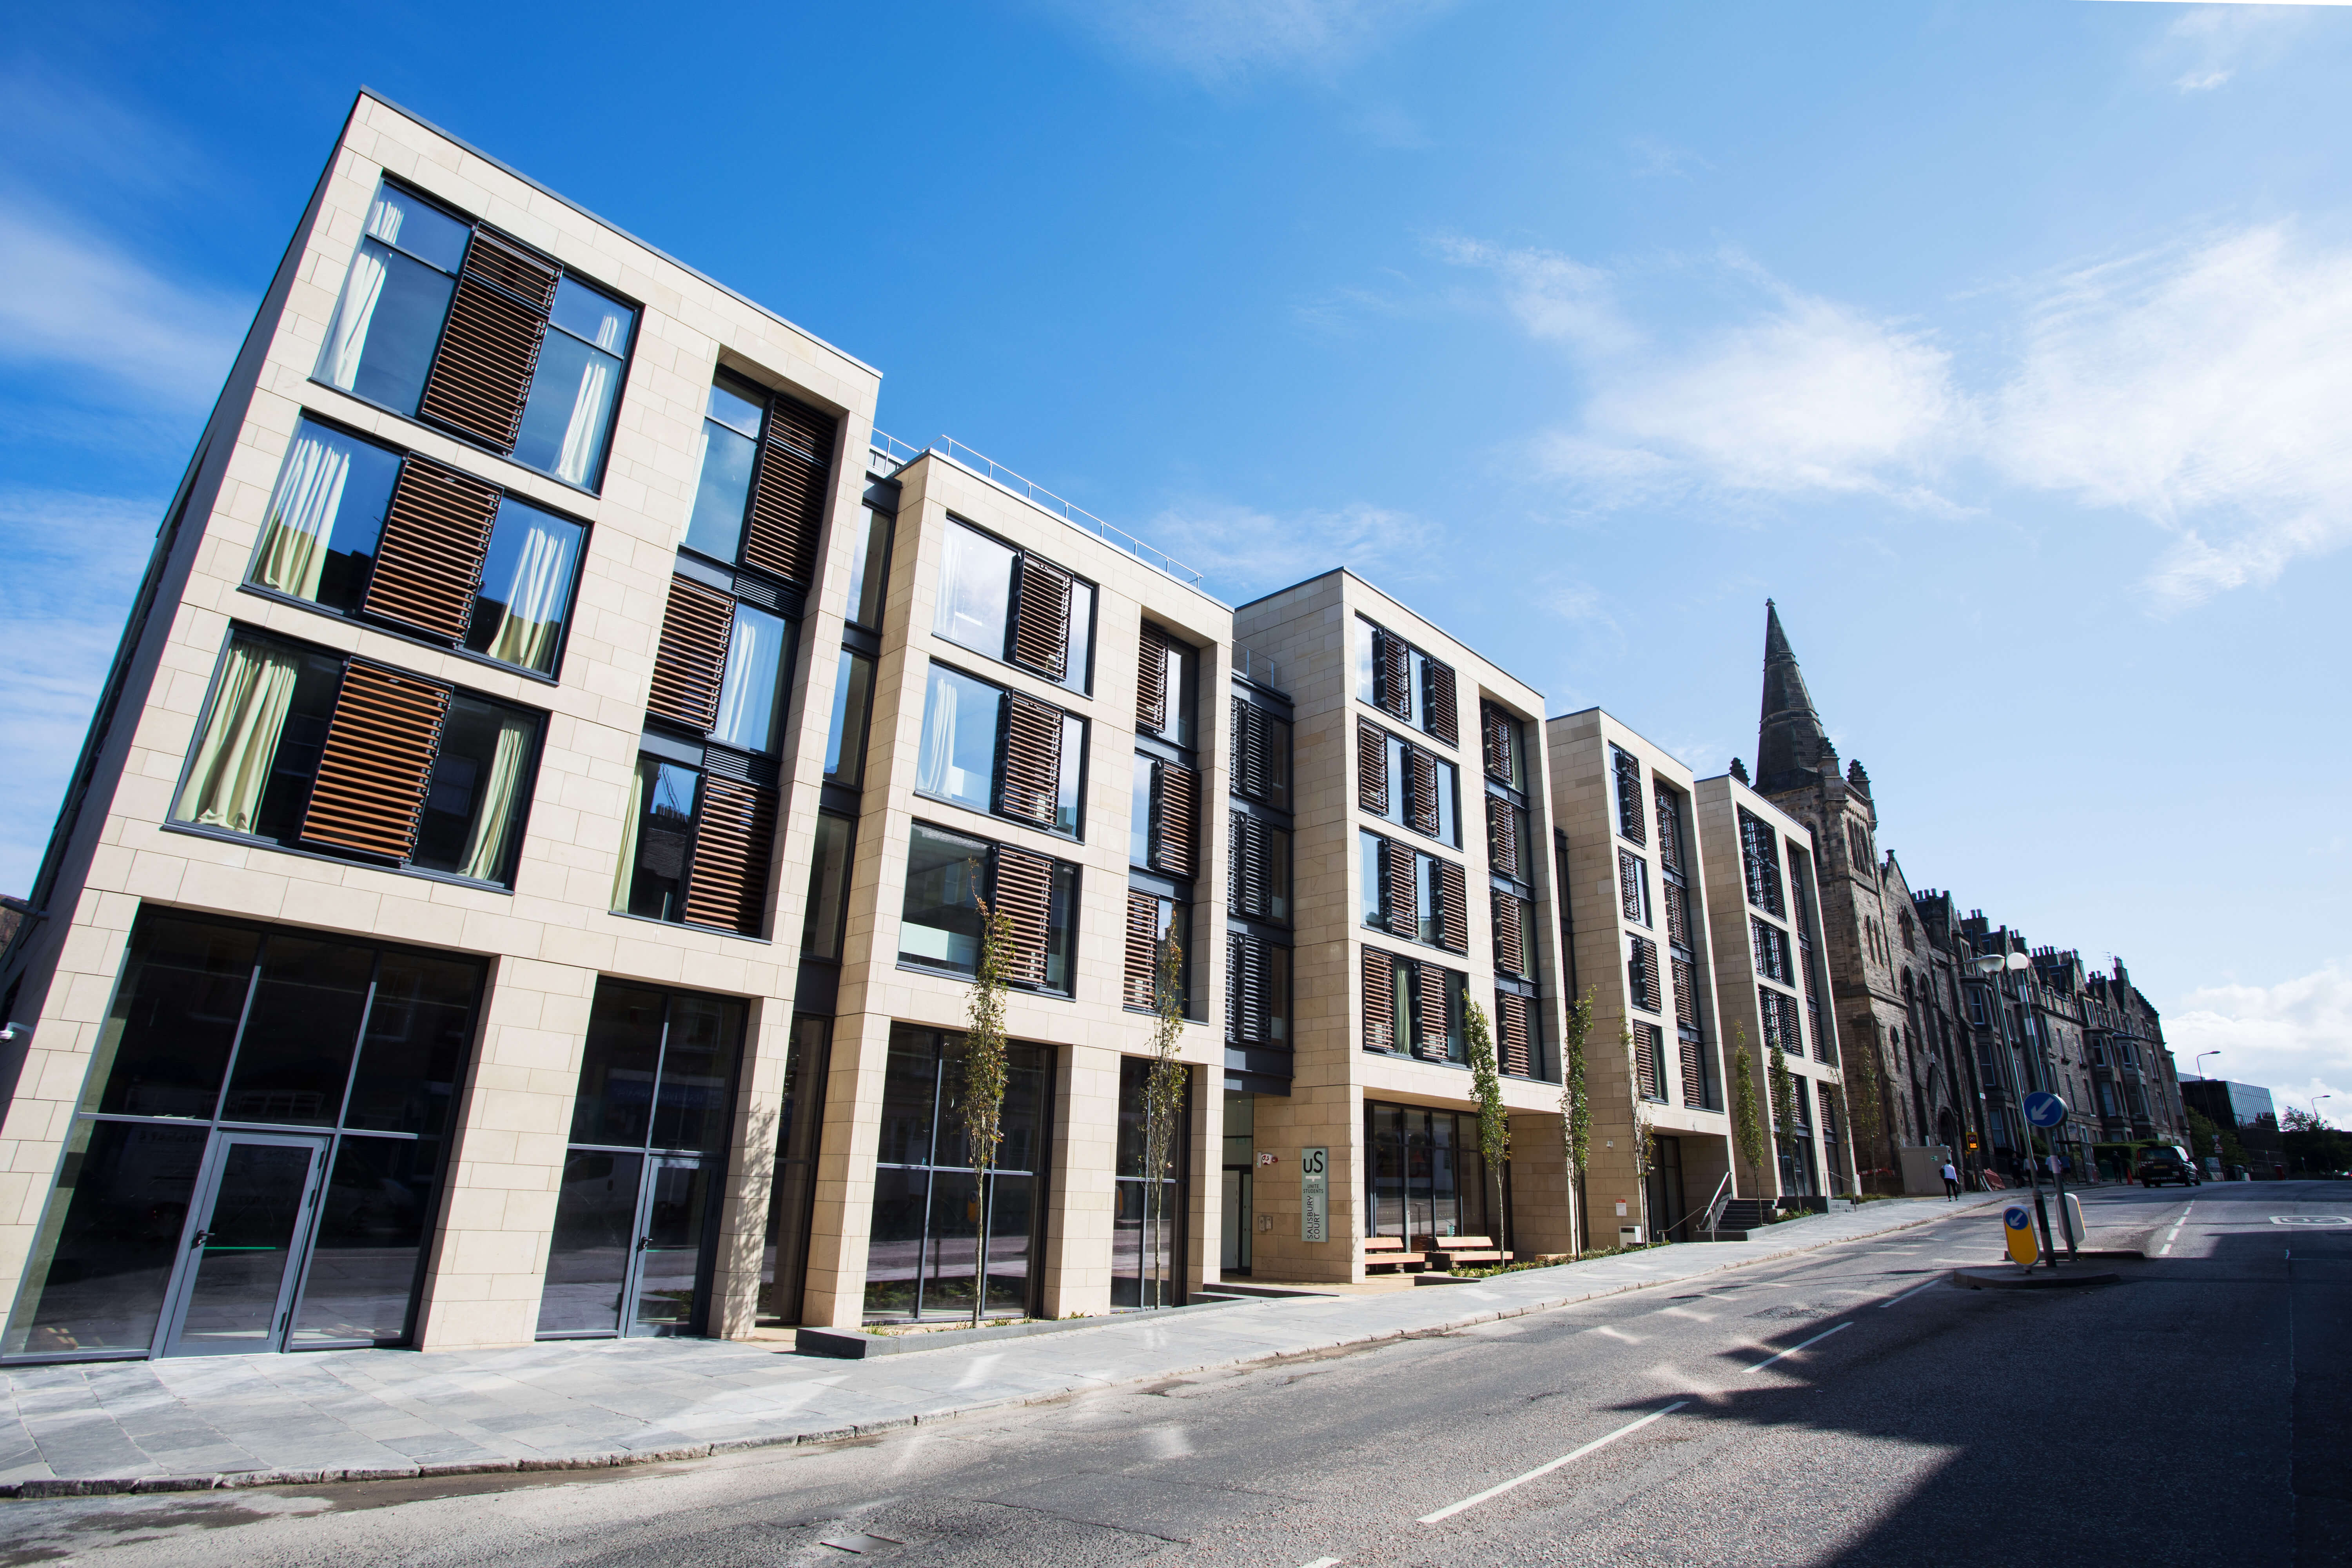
(339, 1416)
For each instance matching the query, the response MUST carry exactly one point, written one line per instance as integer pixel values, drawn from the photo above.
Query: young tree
(1783, 1093)
(1645, 1141)
(1575, 1114)
(1163, 1104)
(984, 1075)
(1746, 1131)
(1494, 1121)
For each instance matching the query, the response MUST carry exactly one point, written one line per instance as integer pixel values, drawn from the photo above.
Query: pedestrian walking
(1951, 1183)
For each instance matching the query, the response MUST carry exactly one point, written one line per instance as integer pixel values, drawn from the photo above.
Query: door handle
(643, 1242)
(198, 1240)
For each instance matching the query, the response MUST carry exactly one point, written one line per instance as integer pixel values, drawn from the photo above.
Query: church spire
(1789, 740)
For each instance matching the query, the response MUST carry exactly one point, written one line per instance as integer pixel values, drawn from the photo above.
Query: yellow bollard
(2024, 1247)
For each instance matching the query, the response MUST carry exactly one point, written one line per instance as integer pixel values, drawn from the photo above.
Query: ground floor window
(1240, 1166)
(1668, 1201)
(1146, 1261)
(783, 1268)
(637, 1214)
(938, 1228)
(258, 1157)
(1423, 1174)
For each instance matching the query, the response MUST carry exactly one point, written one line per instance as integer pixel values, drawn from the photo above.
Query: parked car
(2161, 1166)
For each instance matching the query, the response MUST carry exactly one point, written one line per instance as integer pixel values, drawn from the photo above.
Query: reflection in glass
(318, 537)
(618, 1062)
(669, 1257)
(828, 888)
(1147, 1266)
(785, 1263)
(371, 1234)
(963, 719)
(247, 1247)
(251, 769)
(845, 745)
(1079, 672)
(975, 591)
(663, 837)
(869, 570)
(95, 1282)
(1073, 776)
(697, 1073)
(380, 343)
(166, 1045)
(473, 799)
(296, 1051)
(595, 1233)
(940, 923)
(526, 591)
(578, 379)
(730, 448)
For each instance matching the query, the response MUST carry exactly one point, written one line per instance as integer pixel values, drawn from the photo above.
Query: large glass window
(1149, 1207)
(526, 592)
(730, 448)
(1423, 1174)
(931, 1209)
(353, 1051)
(319, 536)
(381, 342)
(869, 570)
(636, 1214)
(259, 753)
(852, 702)
(828, 888)
(752, 694)
(948, 875)
(963, 721)
(978, 576)
(660, 841)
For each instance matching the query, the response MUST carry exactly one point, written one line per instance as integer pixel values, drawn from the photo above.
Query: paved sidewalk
(338, 1415)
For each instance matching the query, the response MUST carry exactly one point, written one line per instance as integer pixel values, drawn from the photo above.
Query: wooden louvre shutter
(481, 372)
(1685, 992)
(1502, 837)
(1252, 750)
(1453, 907)
(691, 662)
(1040, 618)
(1392, 674)
(734, 834)
(1432, 1021)
(428, 558)
(1252, 875)
(1693, 1066)
(1025, 892)
(1629, 886)
(376, 762)
(1371, 767)
(1443, 717)
(1511, 1014)
(1629, 813)
(1400, 893)
(1510, 942)
(1032, 789)
(1421, 803)
(1670, 827)
(787, 509)
(1142, 947)
(1677, 914)
(1247, 985)
(1380, 1001)
(1152, 680)
(1175, 801)
(1642, 973)
(1647, 1041)
(1494, 741)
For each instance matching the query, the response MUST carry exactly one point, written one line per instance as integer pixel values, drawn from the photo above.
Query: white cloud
(2215, 43)
(2294, 1037)
(70, 298)
(1245, 553)
(1219, 41)
(73, 564)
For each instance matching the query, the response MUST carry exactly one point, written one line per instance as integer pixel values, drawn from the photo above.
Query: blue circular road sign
(2017, 1217)
(2045, 1110)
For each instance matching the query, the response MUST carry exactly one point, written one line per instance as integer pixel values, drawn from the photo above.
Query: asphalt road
(1849, 1406)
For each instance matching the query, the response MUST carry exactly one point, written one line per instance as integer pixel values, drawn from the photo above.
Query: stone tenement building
(1941, 1046)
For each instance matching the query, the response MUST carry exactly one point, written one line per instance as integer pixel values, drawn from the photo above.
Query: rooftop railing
(900, 453)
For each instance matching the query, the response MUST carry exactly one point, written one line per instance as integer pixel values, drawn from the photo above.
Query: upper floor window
(1631, 818)
(1633, 886)
(1670, 827)
(458, 326)
(1410, 1005)
(1260, 755)
(950, 876)
(723, 666)
(1400, 679)
(355, 528)
(1260, 868)
(760, 499)
(316, 751)
(1759, 860)
(1504, 747)
(869, 570)
(1771, 947)
(1167, 686)
(1000, 751)
(695, 844)
(1406, 784)
(1416, 895)
(1167, 807)
(1010, 604)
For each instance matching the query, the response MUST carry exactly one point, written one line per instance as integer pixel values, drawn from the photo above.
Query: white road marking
(1792, 1349)
(1321, 1562)
(2174, 1234)
(1906, 1295)
(1618, 1334)
(1545, 1470)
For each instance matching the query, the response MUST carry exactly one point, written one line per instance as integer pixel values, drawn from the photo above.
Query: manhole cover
(2311, 1219)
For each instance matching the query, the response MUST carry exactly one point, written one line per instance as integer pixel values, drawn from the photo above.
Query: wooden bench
(1453, 1249)
(1385, 1252)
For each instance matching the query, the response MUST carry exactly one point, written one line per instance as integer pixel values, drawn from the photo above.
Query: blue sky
(2008, 346)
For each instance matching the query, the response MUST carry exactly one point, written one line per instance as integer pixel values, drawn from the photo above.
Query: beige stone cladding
(1309, 631)
(1616, 886)
(1739, 987)
(553, 935)
(1089, 1031)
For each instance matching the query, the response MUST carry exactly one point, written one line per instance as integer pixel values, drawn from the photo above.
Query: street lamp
(2199, 1066)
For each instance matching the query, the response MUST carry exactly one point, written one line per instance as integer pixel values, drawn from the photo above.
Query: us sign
(1314, 1194)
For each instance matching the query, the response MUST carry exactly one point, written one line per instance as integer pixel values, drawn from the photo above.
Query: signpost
(2017, 1224)
(1314, 1194)
(2048, 1113)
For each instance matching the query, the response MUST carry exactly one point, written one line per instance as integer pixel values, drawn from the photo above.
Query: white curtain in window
(590, 405)
(309, 493)
(624, 875)
(231, 770)
(535, 596)
(937, 759)
(339, 361)
(486, 840)
(747, 698)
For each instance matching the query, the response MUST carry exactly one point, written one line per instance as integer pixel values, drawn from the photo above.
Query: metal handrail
(1716, 1205)
(1252, 665)
(1076, 516)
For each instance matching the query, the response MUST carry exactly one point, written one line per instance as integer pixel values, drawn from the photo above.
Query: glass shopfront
(1423, 1175)
(937, 1227)
(259, 1154)
(1147, 1236)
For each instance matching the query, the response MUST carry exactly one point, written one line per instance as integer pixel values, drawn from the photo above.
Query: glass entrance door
(672, 1216)
(250, 1228)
